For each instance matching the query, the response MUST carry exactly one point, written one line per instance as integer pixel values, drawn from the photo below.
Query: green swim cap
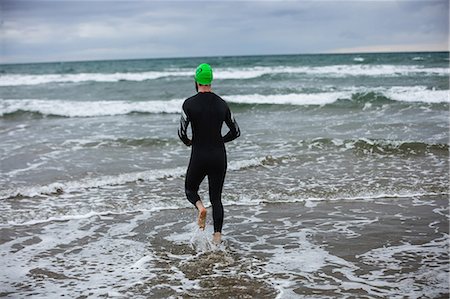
(203, 74)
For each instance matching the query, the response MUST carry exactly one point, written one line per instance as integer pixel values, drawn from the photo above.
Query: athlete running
(206, 112)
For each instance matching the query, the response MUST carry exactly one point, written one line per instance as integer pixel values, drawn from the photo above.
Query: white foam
(417, 94)
(396, 93)
(103, 215)
(113, 180)
(68, 108)
(307, 258)
(242, 73)
(88, 109)
(312, 202)
(107, 257)
(329, 71)
(240, 164)
(28, 79)
(365, 70)
(289, 99)
(225, 73)
(142, 262)
(433, 269)
(63, 218)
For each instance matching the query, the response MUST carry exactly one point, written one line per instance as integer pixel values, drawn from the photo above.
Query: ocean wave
(28, 79)
(417, 94)
(243, 200)
(363, 195)
(67, 108)
(227, 73)
(398, 147)
(100, 214)
(377, 146)
(296, 99)
(360, 146)
(119, 142)
(64, 218)
(59, 188)
(88, 183)
(355, 97)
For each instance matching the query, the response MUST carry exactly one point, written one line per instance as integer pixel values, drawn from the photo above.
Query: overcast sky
(34, 31)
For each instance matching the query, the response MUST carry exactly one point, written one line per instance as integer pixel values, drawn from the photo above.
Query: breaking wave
(358, 146)
(377, 146)
(66, 108)
(227, 73)
(352, 98)
(58, 188)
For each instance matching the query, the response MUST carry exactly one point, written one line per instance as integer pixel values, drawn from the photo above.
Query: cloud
(139, 29)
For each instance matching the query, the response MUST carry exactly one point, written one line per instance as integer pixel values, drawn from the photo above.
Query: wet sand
(381, 248)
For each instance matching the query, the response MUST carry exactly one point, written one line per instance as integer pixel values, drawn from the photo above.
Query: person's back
(207, 115)
(207, 112)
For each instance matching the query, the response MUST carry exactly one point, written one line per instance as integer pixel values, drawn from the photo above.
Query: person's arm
(182, 131)
(233, 126)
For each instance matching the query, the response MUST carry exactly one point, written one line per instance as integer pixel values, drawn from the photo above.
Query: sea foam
(113, 180)
(72, 108)
(289, 99)
(29, 79)
(69, 108)
(78, 185)
(226, 73)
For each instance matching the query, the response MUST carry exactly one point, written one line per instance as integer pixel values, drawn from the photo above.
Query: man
(207, 112)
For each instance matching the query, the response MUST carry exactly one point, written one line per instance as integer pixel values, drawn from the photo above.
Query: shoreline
(374, 248)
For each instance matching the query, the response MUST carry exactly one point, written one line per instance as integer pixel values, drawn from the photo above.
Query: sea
(343, 148)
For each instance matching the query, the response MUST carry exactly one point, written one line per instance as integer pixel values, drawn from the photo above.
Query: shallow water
(338, 186)
(350, 248)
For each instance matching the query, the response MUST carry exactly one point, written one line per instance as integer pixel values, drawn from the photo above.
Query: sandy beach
(381, 248)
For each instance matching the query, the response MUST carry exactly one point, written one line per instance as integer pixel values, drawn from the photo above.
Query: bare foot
(217, 238)
(202, 218)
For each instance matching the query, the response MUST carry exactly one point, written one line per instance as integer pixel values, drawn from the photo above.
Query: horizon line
(226, 56)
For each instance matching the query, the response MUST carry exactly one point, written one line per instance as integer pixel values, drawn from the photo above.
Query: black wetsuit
(207, 112)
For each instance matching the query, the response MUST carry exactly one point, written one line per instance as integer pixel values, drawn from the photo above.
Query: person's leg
(201, 220)
(194, 177)
(216, 177)
(215, 181)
